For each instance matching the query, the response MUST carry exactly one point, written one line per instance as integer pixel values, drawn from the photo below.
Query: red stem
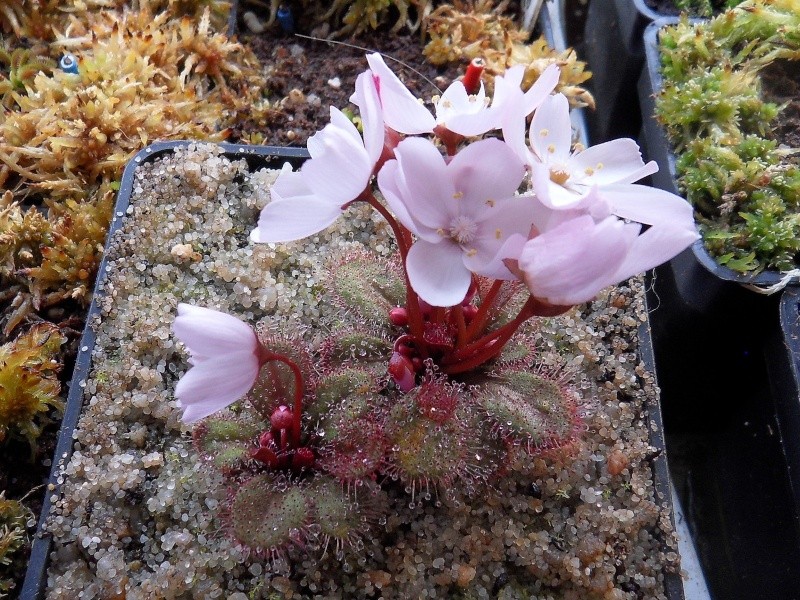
(297, 412)
(489, 346)
(482, 316)
(403, 237)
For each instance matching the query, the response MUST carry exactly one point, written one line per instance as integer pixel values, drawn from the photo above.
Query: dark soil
(328, 71)
(781, 84)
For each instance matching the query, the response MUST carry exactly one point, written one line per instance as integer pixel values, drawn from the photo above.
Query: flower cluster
(478, 193)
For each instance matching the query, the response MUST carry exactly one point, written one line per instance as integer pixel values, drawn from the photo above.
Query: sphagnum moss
(140, 513)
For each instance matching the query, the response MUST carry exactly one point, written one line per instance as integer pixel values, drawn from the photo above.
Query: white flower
(562, 178)
(224, 359)
(462, 211)
(339, 170)
(573, 254)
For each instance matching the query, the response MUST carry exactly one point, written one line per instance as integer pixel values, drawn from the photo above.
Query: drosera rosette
(424, 375)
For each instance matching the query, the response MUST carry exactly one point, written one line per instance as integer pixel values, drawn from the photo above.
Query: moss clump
(744, 187)
(13, 537)
(29, 388)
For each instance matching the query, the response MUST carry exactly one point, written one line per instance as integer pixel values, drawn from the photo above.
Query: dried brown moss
(144, 75)
(465, 30)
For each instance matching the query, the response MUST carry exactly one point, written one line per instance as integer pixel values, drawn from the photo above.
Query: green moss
(744, 189)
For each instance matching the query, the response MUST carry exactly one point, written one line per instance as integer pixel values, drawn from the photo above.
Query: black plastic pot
(783, 360)
(703, 286)
(257, 157)
(731, 436)
(612, 43)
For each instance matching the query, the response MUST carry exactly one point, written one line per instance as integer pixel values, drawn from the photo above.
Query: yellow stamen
(458, 195)
(558, 176)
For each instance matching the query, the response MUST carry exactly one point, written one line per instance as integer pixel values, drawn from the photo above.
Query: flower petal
(209, 332)
(423, 182)
(571, 263)
(551, 130)
(541, 89)
(401, 109)
(437, 272)
(339, 169)
(294, 218)
(484, 171)
(615, 161)
(648, 205)
(215, 384)
(369, 105)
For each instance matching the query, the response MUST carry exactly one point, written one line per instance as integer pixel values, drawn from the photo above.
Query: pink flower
(402, 111)
(224, 359)
(339, 170)
(461, 211)
(562, 178)
(513, 106)
(573, 254)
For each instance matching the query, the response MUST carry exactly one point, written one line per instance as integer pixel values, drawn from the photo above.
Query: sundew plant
(426, 378)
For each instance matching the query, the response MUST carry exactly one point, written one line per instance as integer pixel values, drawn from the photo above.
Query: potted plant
(613, 44)
(473, 433)
(713, 331)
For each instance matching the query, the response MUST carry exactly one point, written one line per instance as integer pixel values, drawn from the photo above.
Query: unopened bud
(398, 316)
(472, 77)
(402, 371)
(470, 310)
(281, 418)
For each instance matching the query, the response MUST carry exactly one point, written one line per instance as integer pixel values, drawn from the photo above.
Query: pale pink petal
(510, 217)
(387, 184)
(339, 169)
(209, 332)
(425, 188)
(508, 85)
(294, 219)
(510, 250)
(369, 105)
(616, 161)
(288, 183)
(551, 130)
(215, 384)
(571, 263)
(401, 109)
(541, 89)
(437, 272)
(658, 244)
(648, 205)
(554, 195)
(465, 114)
(484, 172)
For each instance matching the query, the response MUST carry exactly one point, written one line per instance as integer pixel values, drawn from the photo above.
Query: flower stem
(484, 310)
(297, 412)
(403, 238)
(489, 346)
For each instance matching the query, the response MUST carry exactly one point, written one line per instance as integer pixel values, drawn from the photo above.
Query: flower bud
(402, 371)
(281, 418)
(398, 316)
